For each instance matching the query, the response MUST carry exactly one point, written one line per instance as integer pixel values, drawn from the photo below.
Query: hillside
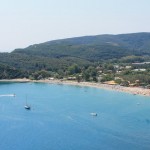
(7, 72)
(92, 48)
(59, 54)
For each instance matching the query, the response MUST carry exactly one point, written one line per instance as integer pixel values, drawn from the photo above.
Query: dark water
(60, 118)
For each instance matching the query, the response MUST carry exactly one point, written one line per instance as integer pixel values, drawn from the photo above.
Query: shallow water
(60, 118)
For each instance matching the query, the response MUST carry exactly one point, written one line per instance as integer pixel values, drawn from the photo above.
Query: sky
(27, 22)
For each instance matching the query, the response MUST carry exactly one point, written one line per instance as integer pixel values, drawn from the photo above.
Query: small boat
(26, 105)
(93, 114)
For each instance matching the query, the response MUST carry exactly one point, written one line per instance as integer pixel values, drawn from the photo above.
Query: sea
(60, 118)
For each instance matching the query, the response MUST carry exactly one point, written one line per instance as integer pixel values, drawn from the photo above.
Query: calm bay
(60, 118)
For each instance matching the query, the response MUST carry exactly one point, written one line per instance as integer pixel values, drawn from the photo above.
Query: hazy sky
(26, 22)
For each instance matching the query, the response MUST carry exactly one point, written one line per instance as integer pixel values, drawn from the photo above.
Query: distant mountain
(58, 54)
(92, 48)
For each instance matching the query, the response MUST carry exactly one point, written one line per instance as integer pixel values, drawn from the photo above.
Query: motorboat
(93, 114)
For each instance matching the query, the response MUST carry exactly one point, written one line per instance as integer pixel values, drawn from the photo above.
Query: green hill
(59, 54)
(93, 48)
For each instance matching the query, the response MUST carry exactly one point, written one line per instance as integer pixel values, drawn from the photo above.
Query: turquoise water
(60, 118)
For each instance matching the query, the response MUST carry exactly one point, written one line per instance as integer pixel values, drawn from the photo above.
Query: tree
(74, 69)
(107, 77)
(86, 76)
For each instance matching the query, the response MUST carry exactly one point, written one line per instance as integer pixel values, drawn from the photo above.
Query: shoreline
(131, 90)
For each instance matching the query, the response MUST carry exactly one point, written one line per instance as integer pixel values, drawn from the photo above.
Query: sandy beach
(132, 90)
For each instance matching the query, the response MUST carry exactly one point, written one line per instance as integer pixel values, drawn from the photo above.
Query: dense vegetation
(7, 72)
(89, 58)
(93, 48)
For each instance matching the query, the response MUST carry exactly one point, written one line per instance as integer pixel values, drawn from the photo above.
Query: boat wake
(8, 95)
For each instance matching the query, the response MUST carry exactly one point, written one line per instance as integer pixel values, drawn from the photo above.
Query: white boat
(93, 114)
(26, 105)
